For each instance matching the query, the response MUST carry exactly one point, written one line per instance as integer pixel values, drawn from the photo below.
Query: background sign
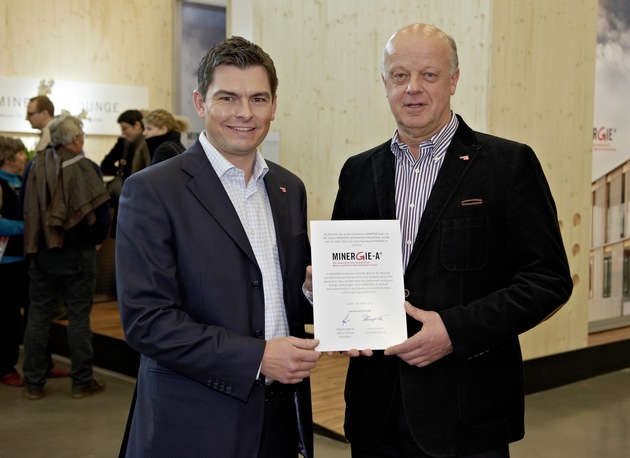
(611, 132)
(98, 105)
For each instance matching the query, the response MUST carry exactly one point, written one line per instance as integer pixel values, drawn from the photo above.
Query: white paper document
(358, 287)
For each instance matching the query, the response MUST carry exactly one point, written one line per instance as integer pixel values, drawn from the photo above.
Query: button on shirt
(251, 203)
(415, 180)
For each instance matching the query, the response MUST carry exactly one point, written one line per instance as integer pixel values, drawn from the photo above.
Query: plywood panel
(526, 73)
(126, 42)
(542, 93)
(331, 101)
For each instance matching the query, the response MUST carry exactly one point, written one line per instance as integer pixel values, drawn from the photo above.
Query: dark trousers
(71, 274)
(398, 443)
(280, 430)
(14, 298)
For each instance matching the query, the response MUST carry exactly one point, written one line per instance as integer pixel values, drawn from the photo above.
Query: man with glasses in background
(39, 112)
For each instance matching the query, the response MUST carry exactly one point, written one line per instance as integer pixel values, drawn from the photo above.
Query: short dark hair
(131, 117)
(238, 52)
(43, 103)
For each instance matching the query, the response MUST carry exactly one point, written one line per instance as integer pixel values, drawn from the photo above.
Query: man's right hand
(289, 359)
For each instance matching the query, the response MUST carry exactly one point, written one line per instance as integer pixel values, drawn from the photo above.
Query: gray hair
(64, 128)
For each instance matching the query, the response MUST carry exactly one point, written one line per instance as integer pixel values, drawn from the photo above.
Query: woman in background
(162, 132)
(130, 153)
(13, 265)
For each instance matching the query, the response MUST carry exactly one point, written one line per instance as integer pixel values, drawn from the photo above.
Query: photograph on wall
(202, 27)
(611, 130)
(609, 275)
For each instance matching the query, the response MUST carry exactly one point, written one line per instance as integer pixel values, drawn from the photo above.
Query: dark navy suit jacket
(191, 300)
(489, 258)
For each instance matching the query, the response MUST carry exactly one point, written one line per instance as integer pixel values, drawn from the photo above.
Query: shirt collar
(440, 140)
(222, 166)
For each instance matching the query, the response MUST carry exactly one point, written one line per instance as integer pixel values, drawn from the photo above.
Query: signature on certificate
(346, 320)
(371, 318)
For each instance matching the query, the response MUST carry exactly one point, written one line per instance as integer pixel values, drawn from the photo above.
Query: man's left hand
(431, 343)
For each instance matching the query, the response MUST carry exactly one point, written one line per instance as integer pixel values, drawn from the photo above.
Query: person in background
(484, 262)
(39, 112)
(13, 265)
(163, 133)
(129, 154)
(211, 251)
(66, 218)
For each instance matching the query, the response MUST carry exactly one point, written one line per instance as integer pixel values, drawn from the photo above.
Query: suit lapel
(208, 189)
(384, 170)
(459, 157)
(277, 193)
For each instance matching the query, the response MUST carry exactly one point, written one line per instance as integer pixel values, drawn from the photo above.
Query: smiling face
(238, 110)
(418, 82)
(16, 164)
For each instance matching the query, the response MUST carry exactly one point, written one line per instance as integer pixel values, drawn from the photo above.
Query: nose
(415, 84)
(244, 111)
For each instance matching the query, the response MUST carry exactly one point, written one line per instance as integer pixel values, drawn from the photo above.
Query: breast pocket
(464, 244)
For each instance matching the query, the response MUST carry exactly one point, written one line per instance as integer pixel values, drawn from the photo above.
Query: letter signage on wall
(98, 105)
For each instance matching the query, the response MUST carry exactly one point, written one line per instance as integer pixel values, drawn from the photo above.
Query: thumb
(413, 312)
(307, 344)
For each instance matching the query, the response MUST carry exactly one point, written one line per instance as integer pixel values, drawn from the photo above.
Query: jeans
(71, 274)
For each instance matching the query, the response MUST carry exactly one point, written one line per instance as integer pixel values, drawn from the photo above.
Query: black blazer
(489, 258)
(191, 301)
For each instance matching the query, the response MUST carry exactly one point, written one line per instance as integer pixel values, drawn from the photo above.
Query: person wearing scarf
(66, 218)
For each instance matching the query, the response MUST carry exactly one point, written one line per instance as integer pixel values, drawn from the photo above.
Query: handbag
(114, 186)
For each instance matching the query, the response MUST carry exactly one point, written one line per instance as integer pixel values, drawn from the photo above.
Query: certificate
(358, 288)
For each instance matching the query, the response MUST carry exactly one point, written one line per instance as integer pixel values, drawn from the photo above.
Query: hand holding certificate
(358, 288)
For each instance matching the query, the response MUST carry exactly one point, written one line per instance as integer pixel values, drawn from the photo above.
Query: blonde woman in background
(162, 132)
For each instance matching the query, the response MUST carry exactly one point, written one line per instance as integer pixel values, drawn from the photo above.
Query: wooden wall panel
(542, 93)
(331, 101)
(126, 42)
(526, 73)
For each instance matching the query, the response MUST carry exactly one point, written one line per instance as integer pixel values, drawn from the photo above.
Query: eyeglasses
(31, 113)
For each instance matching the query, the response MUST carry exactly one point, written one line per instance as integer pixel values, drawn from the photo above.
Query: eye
(429, 76)
(259, 99)
(226, 98)
(398, 77)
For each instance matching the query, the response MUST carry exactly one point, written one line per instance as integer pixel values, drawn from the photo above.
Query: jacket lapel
(459, 157)
(277, 193)
(384, 171)
(208, 189)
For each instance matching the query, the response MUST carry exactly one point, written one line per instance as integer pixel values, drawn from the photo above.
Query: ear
(199, 104)
(274, 104)
(454, 80)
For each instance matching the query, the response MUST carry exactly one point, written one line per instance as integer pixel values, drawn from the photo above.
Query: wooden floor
(327, 380)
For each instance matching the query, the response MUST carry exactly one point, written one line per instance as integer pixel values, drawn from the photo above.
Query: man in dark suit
(211, 252)
(484, 262)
